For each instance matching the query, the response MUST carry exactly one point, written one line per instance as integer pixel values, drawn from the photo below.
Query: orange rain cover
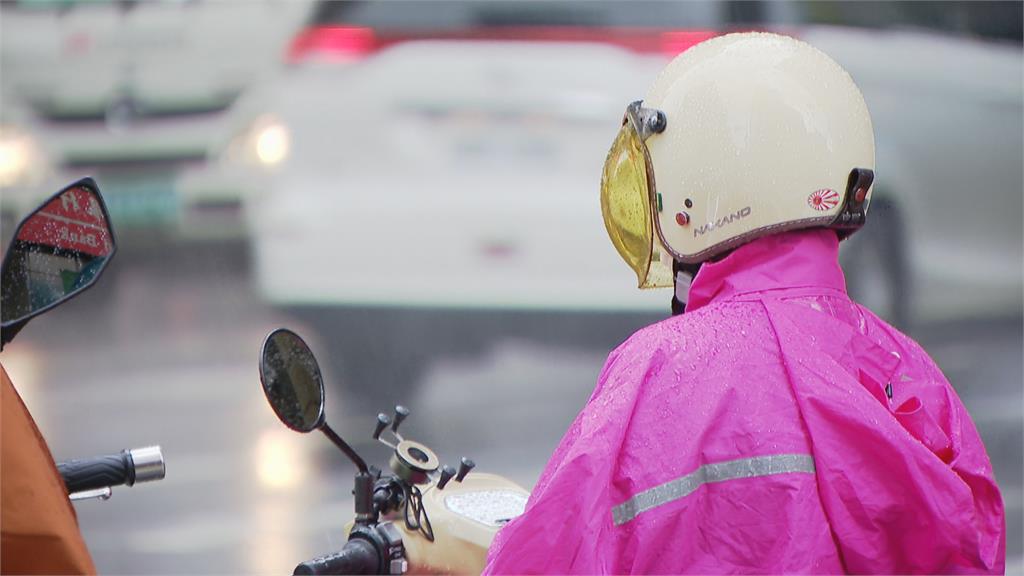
(38, 524)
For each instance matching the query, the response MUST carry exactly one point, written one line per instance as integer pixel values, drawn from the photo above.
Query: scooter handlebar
(359, 556)
(127, 467)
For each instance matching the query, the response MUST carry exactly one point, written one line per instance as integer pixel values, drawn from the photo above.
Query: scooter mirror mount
(294, 388)
(57, 252)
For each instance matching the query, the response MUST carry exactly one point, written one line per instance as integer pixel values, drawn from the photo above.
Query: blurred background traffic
(413, 186)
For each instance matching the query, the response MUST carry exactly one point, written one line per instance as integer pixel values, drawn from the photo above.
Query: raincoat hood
(775, 427)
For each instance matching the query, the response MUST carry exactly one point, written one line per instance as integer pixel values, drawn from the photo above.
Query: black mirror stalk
(344, 447)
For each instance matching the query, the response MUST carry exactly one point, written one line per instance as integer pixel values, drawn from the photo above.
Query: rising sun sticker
(823, 200)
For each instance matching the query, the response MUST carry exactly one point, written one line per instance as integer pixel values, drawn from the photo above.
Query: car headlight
(272, 143)
(18, 151)
(266, 142)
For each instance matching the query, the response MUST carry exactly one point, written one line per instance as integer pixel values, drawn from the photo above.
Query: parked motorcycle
(56, 253)
(421, 518)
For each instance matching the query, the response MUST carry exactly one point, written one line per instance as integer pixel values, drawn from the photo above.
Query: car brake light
(332, 42)
(347, 43)
(676, 42)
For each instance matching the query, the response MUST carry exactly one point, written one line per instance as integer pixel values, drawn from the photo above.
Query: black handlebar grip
(357, 557)
(100, 472)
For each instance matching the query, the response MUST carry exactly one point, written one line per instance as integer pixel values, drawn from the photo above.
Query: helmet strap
(682, 278)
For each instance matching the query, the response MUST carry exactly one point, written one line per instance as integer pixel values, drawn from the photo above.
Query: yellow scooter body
(465, 517)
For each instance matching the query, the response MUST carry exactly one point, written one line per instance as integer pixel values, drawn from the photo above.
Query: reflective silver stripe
(708, 473)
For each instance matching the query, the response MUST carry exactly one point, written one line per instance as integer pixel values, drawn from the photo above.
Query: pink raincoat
(775, 427)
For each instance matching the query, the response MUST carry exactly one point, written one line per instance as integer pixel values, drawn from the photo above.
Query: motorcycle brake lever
(101, 493)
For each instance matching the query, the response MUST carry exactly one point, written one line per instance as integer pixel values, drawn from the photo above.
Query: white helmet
(740, 136)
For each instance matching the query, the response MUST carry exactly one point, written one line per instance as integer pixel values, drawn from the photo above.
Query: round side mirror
(291, 381)
(57, 251)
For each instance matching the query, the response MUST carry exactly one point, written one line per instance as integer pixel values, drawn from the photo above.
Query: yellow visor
(628, 204)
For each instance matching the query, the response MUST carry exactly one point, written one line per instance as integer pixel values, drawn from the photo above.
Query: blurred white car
(137, 94)
(443, 162)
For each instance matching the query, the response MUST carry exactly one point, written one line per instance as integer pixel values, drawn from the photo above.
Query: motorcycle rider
(775, 425)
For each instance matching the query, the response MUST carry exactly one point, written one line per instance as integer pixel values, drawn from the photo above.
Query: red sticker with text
(823, 200)
(72, 221)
